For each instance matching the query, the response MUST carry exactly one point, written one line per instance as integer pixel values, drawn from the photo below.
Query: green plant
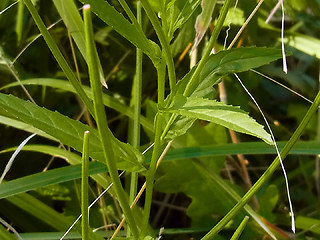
(171, 120)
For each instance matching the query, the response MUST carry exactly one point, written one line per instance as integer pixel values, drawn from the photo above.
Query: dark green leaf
(226, 62)
(67, 131)
(131, 32)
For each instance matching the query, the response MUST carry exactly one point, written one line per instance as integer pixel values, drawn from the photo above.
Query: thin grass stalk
(137, 110)
(164, 43)
(84, 187)
(101, 119)
(268, 173)
(19, 23)
(240, 229)
(59, 57)
(194, 81)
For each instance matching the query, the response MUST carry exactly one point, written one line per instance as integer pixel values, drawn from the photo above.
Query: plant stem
(101, 119)
(19, 24)
(194, 81)
(268, 173)
(164, 43)
(85, 187)
(59, 57)
(151, 173)
(137, 87)
(240, 229)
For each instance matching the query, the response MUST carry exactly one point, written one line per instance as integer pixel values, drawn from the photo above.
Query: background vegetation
(205, 170)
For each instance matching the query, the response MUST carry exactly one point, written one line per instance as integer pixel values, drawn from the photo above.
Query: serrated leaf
(132, 33)
(217, 112)
(108, 100)
(68, 131)
(226, 62)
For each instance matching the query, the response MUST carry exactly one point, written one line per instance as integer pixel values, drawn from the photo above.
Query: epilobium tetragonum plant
(172, 120)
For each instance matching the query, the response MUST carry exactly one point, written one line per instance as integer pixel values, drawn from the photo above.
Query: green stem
(268, 173)
(19, 24)
(157, 149)
(164, 43)
(59, 57)
(137, 87)
(85, 187)
(240, 229)
(194, 81)
(161, 72)
(101, 120)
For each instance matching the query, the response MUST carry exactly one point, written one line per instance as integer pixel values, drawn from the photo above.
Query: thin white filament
(101, 194)
(273, 11)
(284, 60)
(79, 217)
(229, 27)
(7, 225)
(278, 153)
(16, 152)
(8, 7)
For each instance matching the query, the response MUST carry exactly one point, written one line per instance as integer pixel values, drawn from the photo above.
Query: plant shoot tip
(86, 7)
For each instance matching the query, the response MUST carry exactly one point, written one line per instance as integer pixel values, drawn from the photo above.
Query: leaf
(226, 62)
(129, 31)
(217, 112)
(188, 9)
(68, 131)
(247, 148)
(203, 20)
(108, 100)
(42, 179)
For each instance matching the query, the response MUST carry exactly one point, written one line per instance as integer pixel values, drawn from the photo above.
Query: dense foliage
(165, 74)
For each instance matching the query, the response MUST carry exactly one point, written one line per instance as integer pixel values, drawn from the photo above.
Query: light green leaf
(132, 33)
(228, 116)
(308, 224)
(68, 131)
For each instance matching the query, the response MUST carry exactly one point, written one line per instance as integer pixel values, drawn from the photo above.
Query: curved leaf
(226, 62)
(108, 101)
(68, 131)
(228, 116)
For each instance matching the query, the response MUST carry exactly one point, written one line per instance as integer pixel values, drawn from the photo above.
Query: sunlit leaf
(217, 112)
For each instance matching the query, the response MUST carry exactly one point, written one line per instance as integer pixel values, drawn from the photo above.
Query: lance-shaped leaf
(119, 23)
(68, 131)
(225, 62)
(217, 112)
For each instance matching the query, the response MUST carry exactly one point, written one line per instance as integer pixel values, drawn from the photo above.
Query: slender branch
(101, 119)
(164, 43)
(85, 187)
(137, 91)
